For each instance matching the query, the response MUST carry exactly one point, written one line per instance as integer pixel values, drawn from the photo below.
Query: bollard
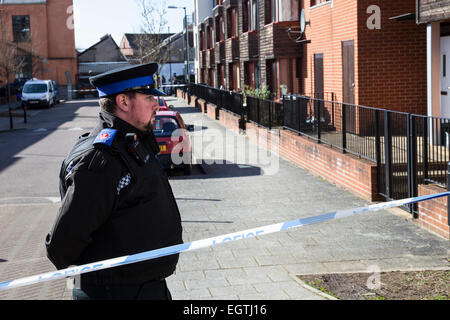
(24, 113)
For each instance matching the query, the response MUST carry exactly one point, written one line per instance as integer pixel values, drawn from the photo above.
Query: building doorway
(348, 72)
(445, 77)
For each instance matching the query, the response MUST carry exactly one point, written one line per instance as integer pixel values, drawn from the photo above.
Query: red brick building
(43, 31)
(363, 52)
(366, 54)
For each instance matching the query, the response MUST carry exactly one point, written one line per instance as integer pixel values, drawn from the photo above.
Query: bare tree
(10, 60)
(149, 42)
(15, 59)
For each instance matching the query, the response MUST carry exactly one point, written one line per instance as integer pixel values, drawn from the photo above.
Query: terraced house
(316, 47)
(245, 43)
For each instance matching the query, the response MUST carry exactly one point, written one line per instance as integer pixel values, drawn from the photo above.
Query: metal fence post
(388, 153)
(378, 148)
(344, 127)
(271, 108)
(448, 198)
(425, 149)
(332, 109)
(412, 161)
(319, 128)
(300, 112)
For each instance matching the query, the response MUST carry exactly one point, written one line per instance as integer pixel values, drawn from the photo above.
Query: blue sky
(95, 18)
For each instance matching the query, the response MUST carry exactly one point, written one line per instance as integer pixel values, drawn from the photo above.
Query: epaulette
(105, 137)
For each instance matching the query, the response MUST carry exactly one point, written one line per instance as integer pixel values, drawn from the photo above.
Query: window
(219, 29)
(220, 76)
(210, 37)
(164, 126)
(315, 2)
(250, 15)
(233, 76)
(272, 76)
(254, 21)
(245, 16)
(232, 23)
(21, 28)
(251, 70)
(281, 10)
(202, 41)
(204, 75)
(211, 77)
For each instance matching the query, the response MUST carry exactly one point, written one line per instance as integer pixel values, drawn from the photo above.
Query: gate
(408, 149)
(414, 150)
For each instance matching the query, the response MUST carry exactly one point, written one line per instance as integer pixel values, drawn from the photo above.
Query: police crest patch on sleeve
(106, 137)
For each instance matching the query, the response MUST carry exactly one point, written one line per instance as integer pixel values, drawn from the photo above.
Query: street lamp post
(186, 52)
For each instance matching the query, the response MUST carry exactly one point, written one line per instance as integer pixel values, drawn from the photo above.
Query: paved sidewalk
(235, 196)
(18, 116)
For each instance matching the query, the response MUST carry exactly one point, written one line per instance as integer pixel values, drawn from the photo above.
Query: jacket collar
(109, 120)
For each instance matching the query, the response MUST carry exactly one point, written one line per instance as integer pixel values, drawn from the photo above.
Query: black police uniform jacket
(114, 205)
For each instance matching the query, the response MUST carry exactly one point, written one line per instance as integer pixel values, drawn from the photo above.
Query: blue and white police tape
(198, 244)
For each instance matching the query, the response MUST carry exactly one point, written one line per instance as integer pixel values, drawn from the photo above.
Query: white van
(38, 93)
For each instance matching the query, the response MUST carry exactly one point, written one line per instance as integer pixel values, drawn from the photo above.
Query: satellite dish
(300, 32)
(302, 21)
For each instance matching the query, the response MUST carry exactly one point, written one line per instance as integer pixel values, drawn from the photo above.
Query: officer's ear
(123, 102)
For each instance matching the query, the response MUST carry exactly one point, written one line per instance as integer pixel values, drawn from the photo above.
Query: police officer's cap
(138, 78)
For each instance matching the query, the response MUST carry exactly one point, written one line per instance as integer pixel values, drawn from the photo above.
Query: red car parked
(173, 139)
(163, 105)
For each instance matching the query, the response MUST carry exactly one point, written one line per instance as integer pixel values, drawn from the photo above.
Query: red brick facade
(433, 214)
(389, 54)
(389, 62)
(52, 37)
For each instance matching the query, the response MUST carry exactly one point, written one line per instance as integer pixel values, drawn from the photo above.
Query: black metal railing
(231, 101)
(408, 149)
(351, 128)
(266, 113)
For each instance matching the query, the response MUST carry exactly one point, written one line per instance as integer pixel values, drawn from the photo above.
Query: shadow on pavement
(38, 127)
(214, 169)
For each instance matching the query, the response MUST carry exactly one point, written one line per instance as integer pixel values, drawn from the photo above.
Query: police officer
(116, 198)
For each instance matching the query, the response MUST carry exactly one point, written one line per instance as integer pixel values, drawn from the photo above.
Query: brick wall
(229, 120)
(345, 170)
(433, 10)
(212, 111)
(327, 29)
(433, 213)
(51, 39)
(202, 105)
(390, 62)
